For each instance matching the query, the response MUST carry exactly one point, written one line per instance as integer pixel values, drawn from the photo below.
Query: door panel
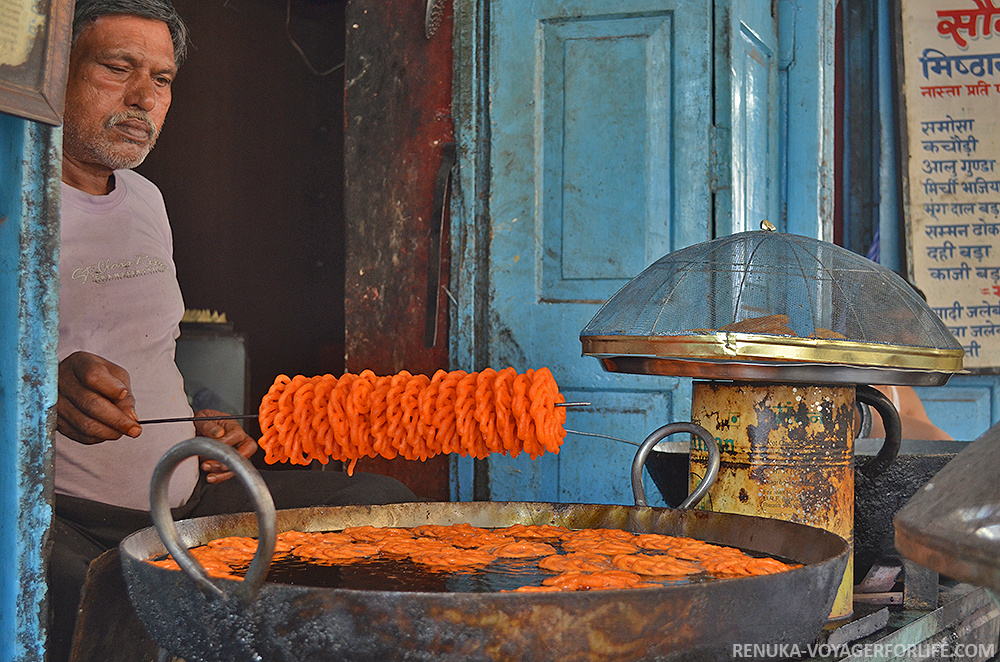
(752, 193)
(604, 96)
(589, 469)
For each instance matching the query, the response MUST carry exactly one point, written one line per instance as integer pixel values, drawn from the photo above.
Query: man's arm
(95, 401)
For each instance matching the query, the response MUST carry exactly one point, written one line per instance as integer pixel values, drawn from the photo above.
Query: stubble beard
(114, 152)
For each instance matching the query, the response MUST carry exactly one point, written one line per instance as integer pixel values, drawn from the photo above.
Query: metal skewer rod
(234, 417)
(197, 418)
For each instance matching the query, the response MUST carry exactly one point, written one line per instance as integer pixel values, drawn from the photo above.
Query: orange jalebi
(413, 416)
(462, 547)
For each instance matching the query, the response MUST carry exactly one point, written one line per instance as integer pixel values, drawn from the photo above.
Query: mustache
(118, 118)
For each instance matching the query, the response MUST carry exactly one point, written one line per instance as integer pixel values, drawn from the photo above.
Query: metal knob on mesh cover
(777, 307)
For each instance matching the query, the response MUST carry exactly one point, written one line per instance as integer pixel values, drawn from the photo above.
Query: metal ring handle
(639, 492)
(267, 522)
(893, 430)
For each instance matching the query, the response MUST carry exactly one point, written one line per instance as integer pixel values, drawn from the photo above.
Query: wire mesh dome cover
(773, 306)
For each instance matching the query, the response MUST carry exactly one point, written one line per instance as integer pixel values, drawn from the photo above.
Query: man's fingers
(95, 400)
(78, 426)
(127, 406)
(247, 448)
(219, 477)
(227, 432)
(101, 378)
(67, 429)
(217, 472)
(95, 415)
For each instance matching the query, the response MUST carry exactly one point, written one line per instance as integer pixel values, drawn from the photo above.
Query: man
(120, 306)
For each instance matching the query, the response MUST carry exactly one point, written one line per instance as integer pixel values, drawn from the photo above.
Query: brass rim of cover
(776, 349)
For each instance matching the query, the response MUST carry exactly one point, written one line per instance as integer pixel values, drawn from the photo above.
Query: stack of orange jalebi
(353, 416)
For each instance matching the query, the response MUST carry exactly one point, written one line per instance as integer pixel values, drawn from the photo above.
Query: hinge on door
(719, 171)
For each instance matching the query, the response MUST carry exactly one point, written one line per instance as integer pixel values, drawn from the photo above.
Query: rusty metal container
(786, 453)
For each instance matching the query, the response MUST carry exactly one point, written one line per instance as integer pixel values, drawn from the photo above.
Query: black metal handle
(893, 430)
(267, 522)
(639, 492)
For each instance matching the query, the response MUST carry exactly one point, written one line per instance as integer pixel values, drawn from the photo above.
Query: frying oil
(402, 574)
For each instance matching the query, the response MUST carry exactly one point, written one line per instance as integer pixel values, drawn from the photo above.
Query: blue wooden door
(588, 134)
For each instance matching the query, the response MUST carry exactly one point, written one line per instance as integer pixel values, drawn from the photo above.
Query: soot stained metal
(690, 622)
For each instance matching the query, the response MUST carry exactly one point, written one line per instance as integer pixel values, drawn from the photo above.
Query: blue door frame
(30, 163)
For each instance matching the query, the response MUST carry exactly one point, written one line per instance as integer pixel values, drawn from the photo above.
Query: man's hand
(95, 400)
(230, 433)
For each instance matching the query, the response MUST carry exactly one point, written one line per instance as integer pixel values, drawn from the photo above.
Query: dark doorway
(250, 163)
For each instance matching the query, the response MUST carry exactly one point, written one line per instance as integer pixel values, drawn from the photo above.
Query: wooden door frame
(470, 210)
(29, 249)
(807, 71)
(471, 202)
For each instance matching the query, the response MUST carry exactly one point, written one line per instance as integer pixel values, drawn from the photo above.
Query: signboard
(950, 63)
(34, 52)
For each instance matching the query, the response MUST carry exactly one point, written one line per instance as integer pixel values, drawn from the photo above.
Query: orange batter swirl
(662, 566)
(536, 531)
(607, 547)
(523, 550)
(338, 553)
(601, 580)
(575, 562)
(453, 558)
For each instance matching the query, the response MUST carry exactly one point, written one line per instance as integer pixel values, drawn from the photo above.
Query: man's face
(118, 92)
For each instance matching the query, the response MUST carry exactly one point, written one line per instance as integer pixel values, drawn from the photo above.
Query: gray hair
(159, 10)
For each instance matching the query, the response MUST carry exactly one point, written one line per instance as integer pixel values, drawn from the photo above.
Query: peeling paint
(790, 458)
(28, 341)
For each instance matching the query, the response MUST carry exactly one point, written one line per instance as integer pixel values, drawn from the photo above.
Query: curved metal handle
(639, 492)
(893, 430)
(267, 526)
(865, 429)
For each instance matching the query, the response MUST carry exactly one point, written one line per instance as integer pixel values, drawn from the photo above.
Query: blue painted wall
(29, 229)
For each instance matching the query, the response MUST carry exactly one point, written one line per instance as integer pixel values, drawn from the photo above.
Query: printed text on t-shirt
(107, 270)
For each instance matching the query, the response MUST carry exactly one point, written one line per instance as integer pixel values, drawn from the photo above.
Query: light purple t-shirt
(119, 299)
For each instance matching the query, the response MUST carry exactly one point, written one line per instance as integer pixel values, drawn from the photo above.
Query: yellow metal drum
(787, 453)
